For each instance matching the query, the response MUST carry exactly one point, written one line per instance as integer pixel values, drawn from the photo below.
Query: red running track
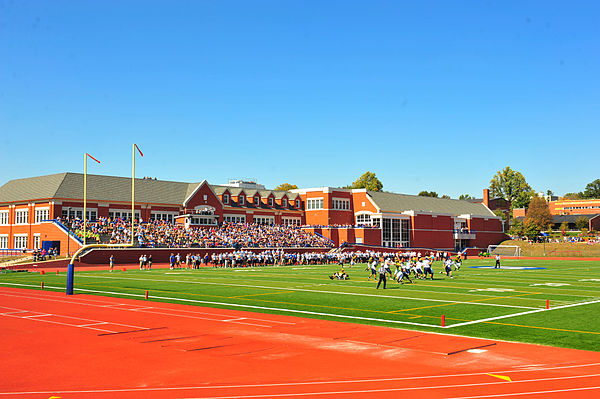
(85, 346)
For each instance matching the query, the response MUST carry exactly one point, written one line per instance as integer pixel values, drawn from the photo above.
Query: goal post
(506, 250)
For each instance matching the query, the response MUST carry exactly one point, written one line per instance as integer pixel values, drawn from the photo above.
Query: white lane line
(12, 313)
(93, 324)
(269, 308)
(293, 384)
(287, 395)
(520, 314)
(527, 393)
(36, 316)
(144, 309)
(321, 292)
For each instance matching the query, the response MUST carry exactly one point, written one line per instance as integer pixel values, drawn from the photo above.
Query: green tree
(286, 187)
(369, 181)
(531, 230)
(592, 190)
(581, 222)
(465, 197)
(511, 185)
(445, 196)
(564, 226)
(428, 194)
(572, 196)
(538, 212)
(500, 213)
(516, 228)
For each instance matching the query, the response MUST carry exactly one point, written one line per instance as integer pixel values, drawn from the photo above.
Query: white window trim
(17, 236)
(226, 199)
(4, 238)
(2, 213)
(47, 209)
(20, 212)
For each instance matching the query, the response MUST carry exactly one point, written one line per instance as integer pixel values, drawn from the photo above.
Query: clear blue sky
(429, 95)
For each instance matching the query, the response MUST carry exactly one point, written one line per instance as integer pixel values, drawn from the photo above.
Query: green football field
(507, 303)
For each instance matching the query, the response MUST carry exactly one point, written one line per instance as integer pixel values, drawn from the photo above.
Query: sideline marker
(57, 272)
(443, 320)
(547, 303)
(146, 294)
(42, 285)
(124, 269)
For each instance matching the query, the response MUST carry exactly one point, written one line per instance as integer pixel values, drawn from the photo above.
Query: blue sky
(429, 95)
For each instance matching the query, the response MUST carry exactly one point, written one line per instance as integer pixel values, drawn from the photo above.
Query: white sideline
(520, 314)
(319, 291)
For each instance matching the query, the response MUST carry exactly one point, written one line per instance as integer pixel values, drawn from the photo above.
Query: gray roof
(110, 188)
(99, 188)
(390, 202)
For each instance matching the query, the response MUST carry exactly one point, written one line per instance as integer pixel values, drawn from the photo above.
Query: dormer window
(226, 198)
(271, 201)
(242, 200)
(297, 203)
(256, 201)
(284, 203)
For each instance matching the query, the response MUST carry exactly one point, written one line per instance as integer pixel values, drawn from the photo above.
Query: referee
(382, 270)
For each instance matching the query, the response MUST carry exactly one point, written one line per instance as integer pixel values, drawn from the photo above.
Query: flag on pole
(92, 157)
(138, 148)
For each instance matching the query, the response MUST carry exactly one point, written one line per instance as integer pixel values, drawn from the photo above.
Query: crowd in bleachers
(163, 234)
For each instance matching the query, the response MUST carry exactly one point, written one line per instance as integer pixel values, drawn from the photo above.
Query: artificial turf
(473, 294)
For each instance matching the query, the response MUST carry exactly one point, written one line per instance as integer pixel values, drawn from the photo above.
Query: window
(166, 216)
(20, 241)
(405, 237)
(363, 220)
(264, 220)
(256, 201)
(314, 203)
(297, 203)
(204, 221)
(21, 216)
(226, 198)
(242, 200)
(36, 241)
(271, 201)
(235, 218)
(41, 214)
(290, 221)
(395, 233)
(4, 241)
(3, 218)
(341, 204)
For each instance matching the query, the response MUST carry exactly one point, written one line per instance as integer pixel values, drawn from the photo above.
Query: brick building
(28, 207)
